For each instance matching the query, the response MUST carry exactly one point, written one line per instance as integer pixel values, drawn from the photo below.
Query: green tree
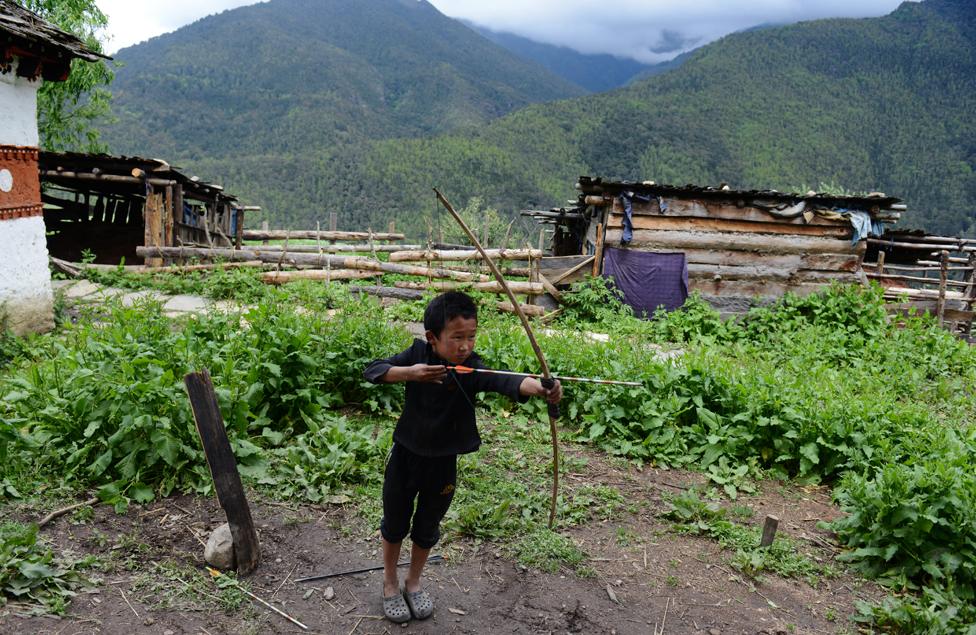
(67, 110)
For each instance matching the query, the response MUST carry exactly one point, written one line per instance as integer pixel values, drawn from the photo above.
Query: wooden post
(239, 235)
(392, 228)
(598, 254)
(881, 259)
(178, 230)
(943, 278)
(223, 468)
(769, 531)
(264, 228)
(333, 225)
(971, 291)
(152, 214)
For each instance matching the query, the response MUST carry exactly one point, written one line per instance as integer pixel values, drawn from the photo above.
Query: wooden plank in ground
(223, 468)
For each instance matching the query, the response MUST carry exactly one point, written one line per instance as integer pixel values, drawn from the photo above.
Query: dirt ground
(648, 578)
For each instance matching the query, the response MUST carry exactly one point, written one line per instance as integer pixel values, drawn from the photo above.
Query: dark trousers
(410, 478)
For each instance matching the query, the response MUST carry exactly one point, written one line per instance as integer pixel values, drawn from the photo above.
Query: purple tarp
(648, 280)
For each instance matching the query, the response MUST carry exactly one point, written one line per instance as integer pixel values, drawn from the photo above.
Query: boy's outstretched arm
(532, 387)
(417, 372)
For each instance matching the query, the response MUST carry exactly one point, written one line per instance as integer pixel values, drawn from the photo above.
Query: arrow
(464, 370)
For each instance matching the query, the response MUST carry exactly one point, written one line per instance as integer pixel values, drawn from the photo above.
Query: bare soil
(648, 578)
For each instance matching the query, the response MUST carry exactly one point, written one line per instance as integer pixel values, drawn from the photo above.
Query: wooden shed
(110, 205)
(739, 247)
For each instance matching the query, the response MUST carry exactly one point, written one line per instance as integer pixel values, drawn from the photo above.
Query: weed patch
(31, 574)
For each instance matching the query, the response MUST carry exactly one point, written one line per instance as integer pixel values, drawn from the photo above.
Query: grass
(692, 515)
(169, 585)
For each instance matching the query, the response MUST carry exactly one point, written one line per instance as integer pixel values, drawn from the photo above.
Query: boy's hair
(445, 308)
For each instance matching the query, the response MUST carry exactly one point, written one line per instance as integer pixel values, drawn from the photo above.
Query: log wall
(737, 254)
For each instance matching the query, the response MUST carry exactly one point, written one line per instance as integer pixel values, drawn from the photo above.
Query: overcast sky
(647, 30)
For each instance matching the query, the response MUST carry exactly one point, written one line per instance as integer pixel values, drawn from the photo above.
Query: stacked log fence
(941, 280)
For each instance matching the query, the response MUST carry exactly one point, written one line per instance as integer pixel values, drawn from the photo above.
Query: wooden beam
(522, 288)
(281, 234)
(762, 243)
(723, 210)
(529, 309)
(333, 248)
(455, 255)
(677, 223)
(90, 177)
(564, 275)
(326, 275)
(321, 260)
(223, 468)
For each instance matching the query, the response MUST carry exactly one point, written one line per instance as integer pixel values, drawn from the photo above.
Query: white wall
(18, 109)
(26, 301)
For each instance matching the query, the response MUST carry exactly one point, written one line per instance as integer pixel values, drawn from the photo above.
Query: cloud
(134, 21)
(646, 30)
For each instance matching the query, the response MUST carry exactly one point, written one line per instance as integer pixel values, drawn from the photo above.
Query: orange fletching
(462, 369)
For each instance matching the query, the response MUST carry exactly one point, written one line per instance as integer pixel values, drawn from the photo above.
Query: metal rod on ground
(217, 574)
(465, 370)
(432, 559)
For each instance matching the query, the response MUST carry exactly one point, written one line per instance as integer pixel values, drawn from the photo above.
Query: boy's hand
(532, 387)
(554, 394)
(427, 373)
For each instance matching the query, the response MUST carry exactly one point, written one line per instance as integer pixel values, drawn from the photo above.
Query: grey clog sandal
(420, 603)
(395, 609)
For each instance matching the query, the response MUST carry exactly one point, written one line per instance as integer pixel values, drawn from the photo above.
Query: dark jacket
(438, 419)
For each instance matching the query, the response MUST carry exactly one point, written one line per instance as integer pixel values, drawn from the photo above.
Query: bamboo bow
(547, 380)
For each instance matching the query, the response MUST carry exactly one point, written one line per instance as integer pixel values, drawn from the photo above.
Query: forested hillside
(302, 77)
(870, 104)
(595, 73)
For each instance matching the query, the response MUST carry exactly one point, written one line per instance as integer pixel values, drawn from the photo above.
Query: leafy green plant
(30, 572)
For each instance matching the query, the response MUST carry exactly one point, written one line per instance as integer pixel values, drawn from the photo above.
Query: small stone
(618, 582)
(168, 632)
(278, 560)
(219, 552)
(149, 621)
(329, 593)
(714, 631)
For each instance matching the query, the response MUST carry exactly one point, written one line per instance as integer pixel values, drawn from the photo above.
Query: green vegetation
(695, 516)
(816, 389)
(67, 111)
(31, 574)
(869, 104)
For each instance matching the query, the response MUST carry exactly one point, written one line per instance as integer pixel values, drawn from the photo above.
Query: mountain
(865, 104)
(307, 76)
(595, 73)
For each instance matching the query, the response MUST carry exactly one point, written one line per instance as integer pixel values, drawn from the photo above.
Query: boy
(437, 424)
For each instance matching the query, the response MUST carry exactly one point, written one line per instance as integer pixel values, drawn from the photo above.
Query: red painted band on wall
(20, 184)
(21, 212)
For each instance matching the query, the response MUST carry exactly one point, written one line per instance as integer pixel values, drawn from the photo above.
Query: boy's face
(456, 341)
